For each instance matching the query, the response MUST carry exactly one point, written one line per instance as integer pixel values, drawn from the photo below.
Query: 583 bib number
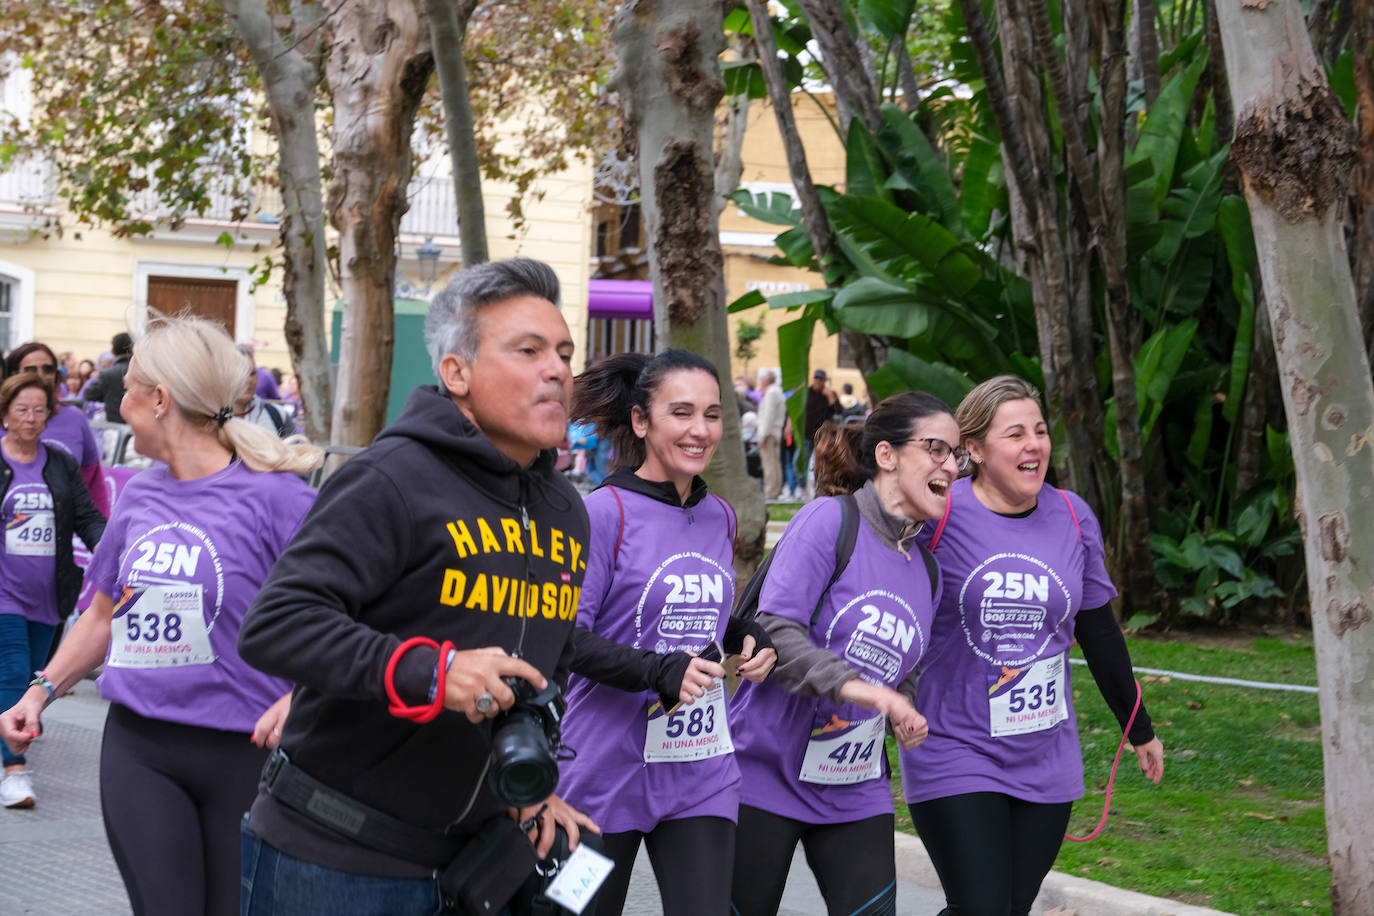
(694, 732)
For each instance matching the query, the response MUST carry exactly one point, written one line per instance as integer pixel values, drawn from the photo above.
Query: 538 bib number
(164, 628)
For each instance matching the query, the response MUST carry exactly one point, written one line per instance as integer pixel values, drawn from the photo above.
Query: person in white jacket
(772, 412)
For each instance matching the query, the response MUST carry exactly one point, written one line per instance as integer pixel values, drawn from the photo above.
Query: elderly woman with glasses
(1023, 571)
(68, 429)
(43, 501)
(850, 617)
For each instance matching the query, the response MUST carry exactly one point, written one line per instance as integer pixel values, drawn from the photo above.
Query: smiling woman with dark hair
(660, 579)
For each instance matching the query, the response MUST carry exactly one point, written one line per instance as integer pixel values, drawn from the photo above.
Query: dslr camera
(524, 744)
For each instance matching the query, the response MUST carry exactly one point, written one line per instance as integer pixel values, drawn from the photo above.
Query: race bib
(694, 732)
(164, 628)
(1028, 699)
(32, 534)
(844, 753)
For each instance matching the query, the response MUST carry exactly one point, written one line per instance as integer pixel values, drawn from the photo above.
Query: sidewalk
(54, 860)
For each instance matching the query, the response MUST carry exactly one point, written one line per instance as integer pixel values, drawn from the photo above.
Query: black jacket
(73, 512)
(430, 532)
(108, 388)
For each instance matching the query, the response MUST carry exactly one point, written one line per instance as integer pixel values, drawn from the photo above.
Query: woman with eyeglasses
(188, 546)
(68, 428)
(1022, 563)
(43, 501)
(849, 631)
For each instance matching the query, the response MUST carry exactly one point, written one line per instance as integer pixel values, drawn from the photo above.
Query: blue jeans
(276, 884)
(24, 649)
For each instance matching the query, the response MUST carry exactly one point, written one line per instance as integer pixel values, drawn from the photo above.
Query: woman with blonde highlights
(185, 551)
(1023, 577)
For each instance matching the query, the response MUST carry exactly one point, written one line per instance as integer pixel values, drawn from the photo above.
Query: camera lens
(524, 770)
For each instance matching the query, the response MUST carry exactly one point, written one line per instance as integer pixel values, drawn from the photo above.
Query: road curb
(1081, 896)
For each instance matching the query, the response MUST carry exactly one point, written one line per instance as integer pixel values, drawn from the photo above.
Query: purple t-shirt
(182, 560)
(267, 385)
(670, 587)
(877, 617)
(28, 568)
(69, 430)
(995, 685)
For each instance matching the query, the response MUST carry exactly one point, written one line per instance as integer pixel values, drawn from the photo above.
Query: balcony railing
(433, 211)
(28, 184)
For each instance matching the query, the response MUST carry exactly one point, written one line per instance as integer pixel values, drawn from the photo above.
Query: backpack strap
(932, 569)
(940, 528)
(620, 531)
(845, 540)
(1072, 514)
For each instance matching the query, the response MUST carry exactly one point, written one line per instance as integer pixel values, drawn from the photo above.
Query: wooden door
(205, 298)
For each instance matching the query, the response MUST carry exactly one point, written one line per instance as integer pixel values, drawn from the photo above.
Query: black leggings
(990, 850)
(854, 863)
(172, 797)
(691, 858)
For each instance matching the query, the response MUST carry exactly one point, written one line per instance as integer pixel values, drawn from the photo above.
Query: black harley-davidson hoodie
(430, 532)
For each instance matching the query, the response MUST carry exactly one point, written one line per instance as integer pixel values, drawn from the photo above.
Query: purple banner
(623, 299)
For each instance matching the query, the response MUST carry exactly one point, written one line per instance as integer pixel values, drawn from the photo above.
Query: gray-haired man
(437, 568)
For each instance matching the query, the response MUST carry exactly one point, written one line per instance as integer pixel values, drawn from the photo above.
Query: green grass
(1238, 822)
(782, 512)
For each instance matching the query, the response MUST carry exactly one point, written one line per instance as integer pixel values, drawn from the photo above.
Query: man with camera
(438, 573)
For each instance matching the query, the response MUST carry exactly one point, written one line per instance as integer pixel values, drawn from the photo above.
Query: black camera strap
(363, 824)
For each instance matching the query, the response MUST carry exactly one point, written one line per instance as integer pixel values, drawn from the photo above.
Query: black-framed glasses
(46, 369)
(940, 450)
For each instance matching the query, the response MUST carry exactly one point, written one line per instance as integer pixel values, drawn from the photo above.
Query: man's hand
(477, 673)
(541, 820)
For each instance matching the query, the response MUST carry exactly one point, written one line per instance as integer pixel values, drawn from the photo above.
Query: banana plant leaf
(887, 236)
(866, 171)
(921, 167)
(1164, 125)
(903, 372)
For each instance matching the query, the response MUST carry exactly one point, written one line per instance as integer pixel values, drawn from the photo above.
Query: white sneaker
(16, 790)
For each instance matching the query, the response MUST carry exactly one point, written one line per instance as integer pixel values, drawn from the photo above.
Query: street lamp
(428, 253)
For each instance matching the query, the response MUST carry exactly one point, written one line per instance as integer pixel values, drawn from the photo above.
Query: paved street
(54, 860)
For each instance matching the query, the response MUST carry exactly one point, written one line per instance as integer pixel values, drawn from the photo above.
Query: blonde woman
(183, 555)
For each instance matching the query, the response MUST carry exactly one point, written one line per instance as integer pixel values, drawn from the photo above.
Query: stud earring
(157, 415)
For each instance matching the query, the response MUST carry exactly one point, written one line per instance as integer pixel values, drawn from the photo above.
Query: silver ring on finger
(485, 703)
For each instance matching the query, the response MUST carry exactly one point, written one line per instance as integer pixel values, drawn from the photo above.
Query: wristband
(40, 679)
(425, 712)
